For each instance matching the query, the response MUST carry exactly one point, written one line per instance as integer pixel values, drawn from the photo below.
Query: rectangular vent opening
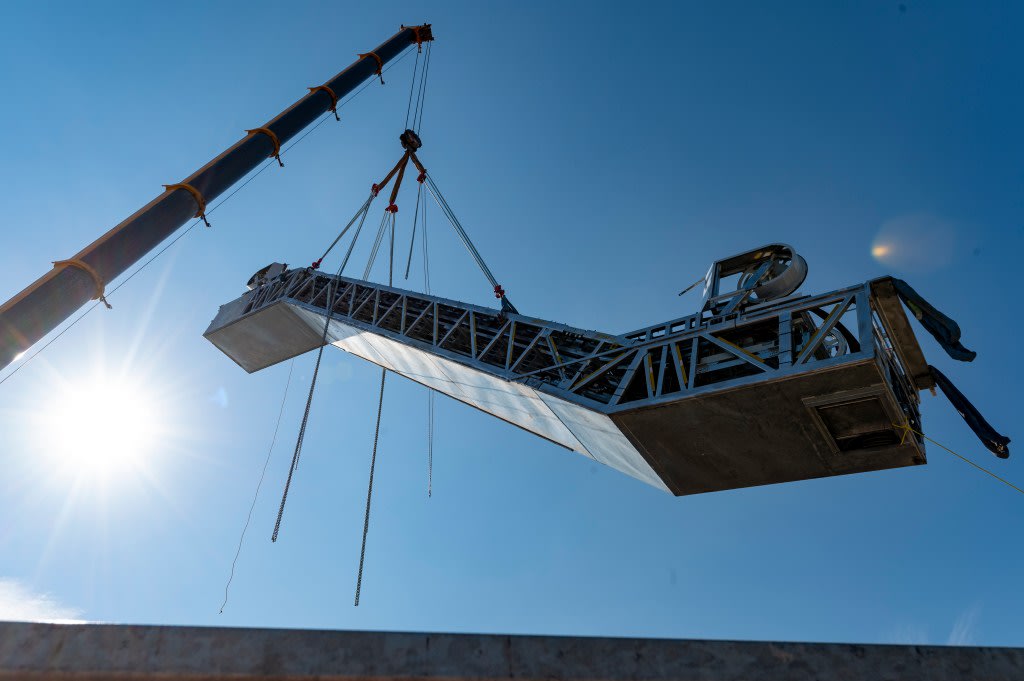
(858, 424)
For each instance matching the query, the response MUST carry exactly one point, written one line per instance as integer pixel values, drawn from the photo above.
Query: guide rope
(255, 496)
(905, 427)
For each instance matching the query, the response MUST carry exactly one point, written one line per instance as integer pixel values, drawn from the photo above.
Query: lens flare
(915, 243)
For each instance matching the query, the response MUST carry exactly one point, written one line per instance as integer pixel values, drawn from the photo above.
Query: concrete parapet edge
(83, 652)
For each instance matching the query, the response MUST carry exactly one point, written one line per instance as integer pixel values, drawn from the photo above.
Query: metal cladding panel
(262, 338)
(604, 440)
(765, 433)
(508, 401)
(577, 428)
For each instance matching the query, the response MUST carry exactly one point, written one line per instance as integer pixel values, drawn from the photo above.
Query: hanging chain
(431, 395)
(331, 290)
(305, 414)
(376, 432)
(369, 489)
(430, 442)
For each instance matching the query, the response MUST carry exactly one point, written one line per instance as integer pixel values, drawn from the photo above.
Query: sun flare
(104, 429)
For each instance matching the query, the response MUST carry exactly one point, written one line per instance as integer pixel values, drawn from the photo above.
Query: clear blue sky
(602, 157)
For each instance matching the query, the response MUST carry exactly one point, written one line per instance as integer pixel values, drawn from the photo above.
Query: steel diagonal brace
(627, 377)
(736, 351)
(826, 326)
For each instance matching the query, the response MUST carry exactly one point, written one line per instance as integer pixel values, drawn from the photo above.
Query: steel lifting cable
(332, 286)
(412, 85)
(361, 212)
(390, 211)
(376, 245)
(412, 239)
(450, 214)
(417, 111)
(331, 291)
(355, 238)
(499, 292)
(421, 98)
(426, 252)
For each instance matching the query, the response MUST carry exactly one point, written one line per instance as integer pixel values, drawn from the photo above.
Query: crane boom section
(50, 300)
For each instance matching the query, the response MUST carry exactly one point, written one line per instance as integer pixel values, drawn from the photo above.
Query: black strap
(993, 441)
(941, 327)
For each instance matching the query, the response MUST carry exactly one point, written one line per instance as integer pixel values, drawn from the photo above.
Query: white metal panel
(606, 443)
(512, 402)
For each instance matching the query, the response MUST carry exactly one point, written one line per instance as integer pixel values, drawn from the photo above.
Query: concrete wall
(100, 651)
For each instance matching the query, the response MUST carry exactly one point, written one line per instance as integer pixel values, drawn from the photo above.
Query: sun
(103, 428)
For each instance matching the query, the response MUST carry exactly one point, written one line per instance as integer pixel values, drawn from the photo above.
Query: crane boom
(51, 299)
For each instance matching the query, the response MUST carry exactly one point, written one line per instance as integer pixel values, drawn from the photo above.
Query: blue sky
(601, 158)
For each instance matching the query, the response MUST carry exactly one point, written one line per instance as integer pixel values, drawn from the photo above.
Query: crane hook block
(410, 140)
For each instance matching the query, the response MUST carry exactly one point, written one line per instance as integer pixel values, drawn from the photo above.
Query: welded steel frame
(666, 362)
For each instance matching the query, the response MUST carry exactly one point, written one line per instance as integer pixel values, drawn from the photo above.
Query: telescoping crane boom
(51, 299)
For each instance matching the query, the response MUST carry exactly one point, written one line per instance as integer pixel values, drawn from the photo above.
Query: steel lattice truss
(605, 372)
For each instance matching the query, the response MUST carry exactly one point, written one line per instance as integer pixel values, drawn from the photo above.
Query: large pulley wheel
(786, 272)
